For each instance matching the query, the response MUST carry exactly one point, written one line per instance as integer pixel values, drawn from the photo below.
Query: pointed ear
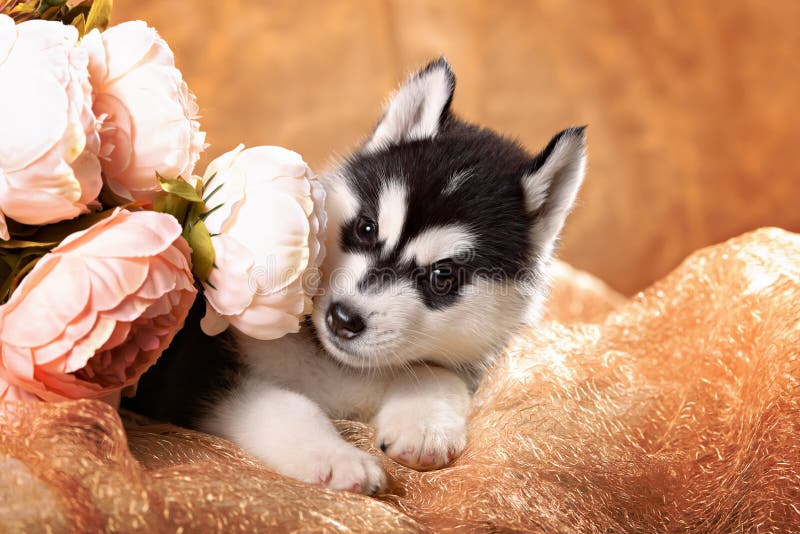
(418, 109)
(551, 184)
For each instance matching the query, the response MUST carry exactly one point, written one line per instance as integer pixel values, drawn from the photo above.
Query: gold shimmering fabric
(578, 297)
(678, 411)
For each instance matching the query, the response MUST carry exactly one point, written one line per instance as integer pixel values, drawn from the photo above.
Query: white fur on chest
(296, 362)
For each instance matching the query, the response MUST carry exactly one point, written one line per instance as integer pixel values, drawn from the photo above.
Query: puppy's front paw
(340, 467)
(420, 439)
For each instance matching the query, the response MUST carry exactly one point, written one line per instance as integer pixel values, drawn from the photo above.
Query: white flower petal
(49, 141)
(231, 288)
(272, 209)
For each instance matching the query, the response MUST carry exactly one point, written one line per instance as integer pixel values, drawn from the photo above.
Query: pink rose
(97, 311)
(49, 141)
(9, 393)
(149, 114)
(268, 241)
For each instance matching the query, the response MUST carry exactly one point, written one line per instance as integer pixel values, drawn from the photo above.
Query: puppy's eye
(442, 278)
(366, 230)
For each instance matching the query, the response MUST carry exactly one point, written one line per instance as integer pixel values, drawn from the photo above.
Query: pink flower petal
(3, 225)
(11, 393)
(146, 340)
(86, 347)
(136, 234)
(150, 114)
(212, 322)
(49, 141)
(87, 172)
(129, 309)
(119, 335)
(161, 279)
(34, 101)
(113, 279)
(160, 307)
(60, 347)
(54, 387)
(18, 361)
(92, 42)
(116, 138)
(265, 323)
(179, 255)
(54, 293)
(74, 240)
(37, 206)
(126, 45)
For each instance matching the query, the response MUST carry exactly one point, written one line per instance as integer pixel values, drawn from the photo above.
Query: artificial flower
(11, 393)
(49, 170)
(150, 117)
(98, 310)
(267, 228)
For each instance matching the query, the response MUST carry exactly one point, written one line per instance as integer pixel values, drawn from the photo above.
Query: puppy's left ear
(418, 109)
(551, 184)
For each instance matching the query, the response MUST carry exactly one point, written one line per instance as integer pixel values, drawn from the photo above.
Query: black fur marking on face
(454, 174)
(490, 205)
(435, 295)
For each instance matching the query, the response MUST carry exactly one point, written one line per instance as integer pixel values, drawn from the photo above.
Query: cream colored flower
(49, 141)
(268, 240)
(149, 114)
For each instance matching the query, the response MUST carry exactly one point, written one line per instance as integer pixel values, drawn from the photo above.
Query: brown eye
(441, 278)
(367, 230)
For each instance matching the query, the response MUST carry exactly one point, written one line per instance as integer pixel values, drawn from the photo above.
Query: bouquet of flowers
(106, 235)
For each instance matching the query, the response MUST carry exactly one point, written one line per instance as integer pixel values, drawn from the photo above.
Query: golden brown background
(692, 106)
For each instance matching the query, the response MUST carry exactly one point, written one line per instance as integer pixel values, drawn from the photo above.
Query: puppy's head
(440, 233)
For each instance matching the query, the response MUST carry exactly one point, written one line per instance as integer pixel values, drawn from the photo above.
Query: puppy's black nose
(343, 321)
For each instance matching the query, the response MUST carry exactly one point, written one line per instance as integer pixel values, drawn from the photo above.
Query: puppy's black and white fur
(439, 238)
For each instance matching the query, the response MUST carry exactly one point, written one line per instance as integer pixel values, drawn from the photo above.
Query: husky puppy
(440, 236)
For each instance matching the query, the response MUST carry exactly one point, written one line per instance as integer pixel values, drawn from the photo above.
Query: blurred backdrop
(692, 106)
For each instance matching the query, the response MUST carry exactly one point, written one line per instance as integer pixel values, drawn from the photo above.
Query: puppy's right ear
(418, 109)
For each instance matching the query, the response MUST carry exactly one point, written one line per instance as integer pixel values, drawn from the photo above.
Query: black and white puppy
(439, 240)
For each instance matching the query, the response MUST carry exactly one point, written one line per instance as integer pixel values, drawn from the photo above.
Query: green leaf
(6, 275)
(207, 183)
(211, 194)
(195, 208)
(204, 215)
(99, 15)
(48, 4)
(172, 205)
(180, 187)
(55, 233)
(195, 211)
(13, 269)
(202, 250)
(21, 243)
(21, 230)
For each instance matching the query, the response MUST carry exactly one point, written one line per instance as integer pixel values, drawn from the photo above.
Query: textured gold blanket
(679, 410)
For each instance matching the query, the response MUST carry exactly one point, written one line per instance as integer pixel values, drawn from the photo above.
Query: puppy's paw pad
(422, 443)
